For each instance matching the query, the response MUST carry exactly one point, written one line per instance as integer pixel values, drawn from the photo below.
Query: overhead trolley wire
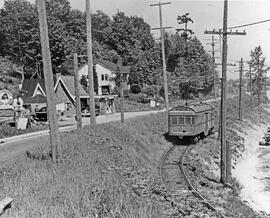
(250, 24)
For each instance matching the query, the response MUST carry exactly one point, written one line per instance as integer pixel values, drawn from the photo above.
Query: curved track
(173, 174)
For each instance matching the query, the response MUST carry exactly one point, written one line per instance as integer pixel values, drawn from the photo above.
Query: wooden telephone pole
(240, 89)
(161, 28)
(48, 77)
(119, 64)
(90, 64)
(213, 63)
(250, 86)
(225, 148)
(77, 92)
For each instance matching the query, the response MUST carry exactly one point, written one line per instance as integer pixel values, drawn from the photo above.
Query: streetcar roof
(196, 108)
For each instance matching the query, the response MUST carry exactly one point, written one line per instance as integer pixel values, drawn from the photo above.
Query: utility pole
(163, 53)
(77, 92)
(48, 77)
(119, 64)
(225, 148)
(213, 63)
(250, 86)
(90, 64)
(240, 90)
(265, 93)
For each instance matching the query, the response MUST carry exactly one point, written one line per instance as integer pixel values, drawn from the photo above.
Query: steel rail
(188, 182)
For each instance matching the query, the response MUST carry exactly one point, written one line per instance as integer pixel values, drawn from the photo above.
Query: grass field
(108, 171)
(8, 131)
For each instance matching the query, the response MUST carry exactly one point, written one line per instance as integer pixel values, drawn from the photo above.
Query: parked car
(41, 114)
(265, 139)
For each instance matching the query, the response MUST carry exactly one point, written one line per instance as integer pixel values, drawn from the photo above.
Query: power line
(250, 24)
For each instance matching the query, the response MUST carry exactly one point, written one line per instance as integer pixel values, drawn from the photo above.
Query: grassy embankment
(108, 171)
(111, 171)
(8, 131)
(205, 160)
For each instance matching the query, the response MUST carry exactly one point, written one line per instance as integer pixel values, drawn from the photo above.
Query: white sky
(206, 15)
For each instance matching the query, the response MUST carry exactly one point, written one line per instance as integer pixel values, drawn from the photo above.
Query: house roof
(69, 82)
(109, 65)
(28, 89)
(30, 86)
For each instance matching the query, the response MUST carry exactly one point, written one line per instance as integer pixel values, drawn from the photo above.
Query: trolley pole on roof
(161, 28)
(225, 165)
(48, 77)
(90, 64)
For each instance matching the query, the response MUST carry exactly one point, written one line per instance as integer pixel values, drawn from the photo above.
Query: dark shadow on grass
(36, 156)
(175, 140)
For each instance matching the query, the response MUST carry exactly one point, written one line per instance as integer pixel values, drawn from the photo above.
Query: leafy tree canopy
(258, 71)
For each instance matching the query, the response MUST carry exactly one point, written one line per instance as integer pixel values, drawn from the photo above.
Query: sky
(207, 15)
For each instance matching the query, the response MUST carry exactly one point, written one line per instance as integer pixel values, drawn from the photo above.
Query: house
(106, 72)
(34, 94)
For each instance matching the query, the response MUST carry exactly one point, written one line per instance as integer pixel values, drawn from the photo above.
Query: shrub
(161, 92)
(135, 88)
(126, 93)
(139, 98)
(116, 91)
(149, 90)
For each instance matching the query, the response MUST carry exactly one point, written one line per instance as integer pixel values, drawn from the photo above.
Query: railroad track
(173, 174)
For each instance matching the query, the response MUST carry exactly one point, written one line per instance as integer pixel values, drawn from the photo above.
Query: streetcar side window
(181, 120)
(193, 120)
(174, 120)
(188, 120)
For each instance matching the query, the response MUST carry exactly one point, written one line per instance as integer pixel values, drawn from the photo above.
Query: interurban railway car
(193, 120)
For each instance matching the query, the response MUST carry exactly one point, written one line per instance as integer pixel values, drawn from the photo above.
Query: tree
(20, 33)
(191, 68)
(258, 71)
(131, 38)
(184, 19)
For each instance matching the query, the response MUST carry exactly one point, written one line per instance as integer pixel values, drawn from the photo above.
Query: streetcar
(195, 120)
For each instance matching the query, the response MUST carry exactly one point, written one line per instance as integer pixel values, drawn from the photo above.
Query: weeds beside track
(173, 174)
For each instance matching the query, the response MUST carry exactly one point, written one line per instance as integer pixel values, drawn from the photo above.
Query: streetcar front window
(188, 120)
(174, 120)
(193, 120)
(181, 120)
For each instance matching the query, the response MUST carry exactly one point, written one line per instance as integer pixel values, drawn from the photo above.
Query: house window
(68, 106)
(104, 77)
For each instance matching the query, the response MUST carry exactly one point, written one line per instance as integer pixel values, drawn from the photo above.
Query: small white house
(106, 74)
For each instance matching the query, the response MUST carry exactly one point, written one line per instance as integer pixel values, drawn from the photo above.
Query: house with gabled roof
(34, 94)
(106, 72)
